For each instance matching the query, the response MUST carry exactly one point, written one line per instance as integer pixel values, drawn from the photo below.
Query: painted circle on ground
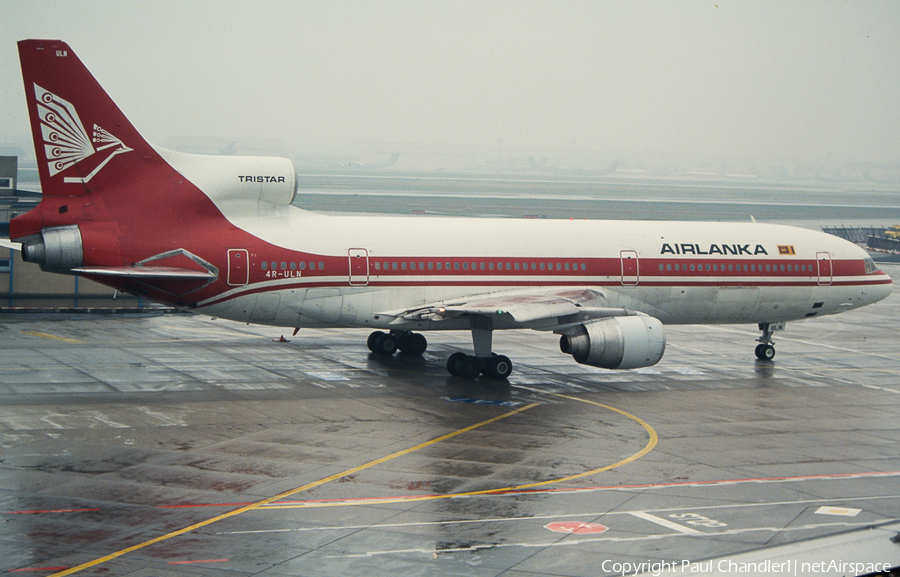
(575, 527)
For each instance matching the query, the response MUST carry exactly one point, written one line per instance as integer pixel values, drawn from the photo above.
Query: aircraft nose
(882, 291)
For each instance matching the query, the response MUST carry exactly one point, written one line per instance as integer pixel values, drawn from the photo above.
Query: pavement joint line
(258, 504)
(532, 518)
(642, 487)
(608, 539)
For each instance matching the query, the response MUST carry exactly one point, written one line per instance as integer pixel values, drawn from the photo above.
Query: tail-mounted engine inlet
(55, 249)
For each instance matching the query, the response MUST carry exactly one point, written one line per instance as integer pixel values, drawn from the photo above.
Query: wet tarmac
(178, 445)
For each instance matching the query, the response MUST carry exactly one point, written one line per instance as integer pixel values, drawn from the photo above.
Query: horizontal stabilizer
(6, 243)
(146, 272)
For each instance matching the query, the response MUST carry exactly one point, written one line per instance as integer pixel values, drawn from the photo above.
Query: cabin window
(481, 266)
(403, 266)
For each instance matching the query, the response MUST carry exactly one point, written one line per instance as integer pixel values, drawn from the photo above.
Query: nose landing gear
(765, 350)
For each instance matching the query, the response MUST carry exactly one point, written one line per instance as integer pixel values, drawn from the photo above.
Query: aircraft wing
(519, 307)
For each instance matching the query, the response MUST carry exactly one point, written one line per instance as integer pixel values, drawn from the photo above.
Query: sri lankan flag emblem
(786, 249)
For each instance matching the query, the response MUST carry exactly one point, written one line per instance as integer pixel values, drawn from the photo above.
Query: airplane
(218, 235)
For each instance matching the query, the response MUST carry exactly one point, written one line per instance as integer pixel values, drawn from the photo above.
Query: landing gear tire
(372, 341)
(451, 363)
(468, 367)
(765, 352)
(385, 344)
(413, 344)
(498, 367)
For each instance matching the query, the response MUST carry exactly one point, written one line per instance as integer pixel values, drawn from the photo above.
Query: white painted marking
(328, 376)
(665, 523)
(877, 388)
(842, 511)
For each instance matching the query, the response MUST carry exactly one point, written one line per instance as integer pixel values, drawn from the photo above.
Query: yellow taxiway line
(269, 500)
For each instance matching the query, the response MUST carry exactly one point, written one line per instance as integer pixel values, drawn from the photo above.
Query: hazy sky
(816, 80)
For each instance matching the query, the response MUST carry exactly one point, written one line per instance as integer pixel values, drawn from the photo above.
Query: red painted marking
(203, 505)
(48, 511)
(200, 561)
(40, 569)
(575, 527)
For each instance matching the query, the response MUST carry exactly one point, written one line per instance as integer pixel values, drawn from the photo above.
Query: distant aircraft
(218, 235)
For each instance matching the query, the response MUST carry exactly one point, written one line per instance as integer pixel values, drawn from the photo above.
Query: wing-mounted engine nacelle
(627, 342)
(55, 249)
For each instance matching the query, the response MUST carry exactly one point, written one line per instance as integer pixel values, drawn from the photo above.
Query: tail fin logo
(66, 142)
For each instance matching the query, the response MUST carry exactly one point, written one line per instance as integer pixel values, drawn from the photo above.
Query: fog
(578, 83)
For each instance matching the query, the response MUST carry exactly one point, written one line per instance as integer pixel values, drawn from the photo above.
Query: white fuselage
(635, 265)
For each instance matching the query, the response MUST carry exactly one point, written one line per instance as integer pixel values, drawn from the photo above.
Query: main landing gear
(405, 341)
(468, 367)
(484, 362)
(765, 350)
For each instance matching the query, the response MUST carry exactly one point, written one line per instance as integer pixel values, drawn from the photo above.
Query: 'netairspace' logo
(725, 566)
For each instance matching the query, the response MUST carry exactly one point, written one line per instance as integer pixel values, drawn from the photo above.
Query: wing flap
(518, 306)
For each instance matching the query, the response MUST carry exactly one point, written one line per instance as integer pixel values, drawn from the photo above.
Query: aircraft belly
(778, 304)
(322, 305)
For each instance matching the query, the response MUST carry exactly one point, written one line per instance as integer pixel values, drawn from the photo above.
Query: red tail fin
(81, 138)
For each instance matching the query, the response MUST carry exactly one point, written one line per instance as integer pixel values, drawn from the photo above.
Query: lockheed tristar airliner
(219, 235)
